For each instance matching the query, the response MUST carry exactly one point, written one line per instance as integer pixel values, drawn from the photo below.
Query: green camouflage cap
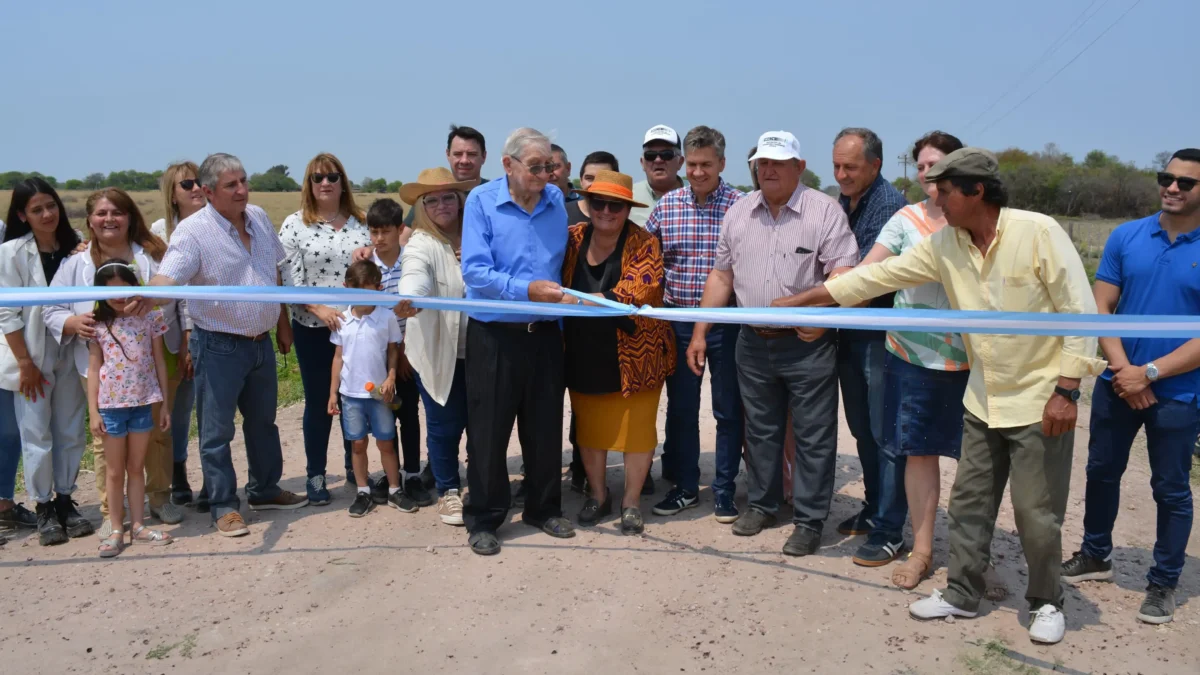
(967, 163)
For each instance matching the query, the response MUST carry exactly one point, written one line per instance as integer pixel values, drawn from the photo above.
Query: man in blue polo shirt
(1150, 266)
(514, 239)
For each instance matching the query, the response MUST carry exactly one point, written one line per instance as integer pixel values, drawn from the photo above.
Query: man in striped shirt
(688, 223)
(231, 243)
(774, 243)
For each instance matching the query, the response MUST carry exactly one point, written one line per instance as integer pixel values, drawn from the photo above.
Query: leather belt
(235, 336)
(525, 327)
(774, 333)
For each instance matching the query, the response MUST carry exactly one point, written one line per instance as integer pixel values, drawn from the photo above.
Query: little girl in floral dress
(126, 374)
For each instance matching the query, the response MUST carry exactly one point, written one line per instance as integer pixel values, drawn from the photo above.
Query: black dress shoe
(557, 527)
(593, 511)
(484, 543)
(181, 491)
(802, 542)
(72, 521)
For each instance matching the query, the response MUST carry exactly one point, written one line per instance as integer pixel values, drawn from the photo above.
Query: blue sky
(102, 86)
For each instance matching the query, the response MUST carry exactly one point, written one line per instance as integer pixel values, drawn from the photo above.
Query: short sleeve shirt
(128, 377)
(364, 342)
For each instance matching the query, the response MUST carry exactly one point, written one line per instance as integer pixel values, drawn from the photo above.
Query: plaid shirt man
(689, 234)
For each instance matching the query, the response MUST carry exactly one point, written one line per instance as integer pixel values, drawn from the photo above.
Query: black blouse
(591, 343)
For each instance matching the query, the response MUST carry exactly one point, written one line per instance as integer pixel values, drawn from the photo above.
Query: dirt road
(316, 591)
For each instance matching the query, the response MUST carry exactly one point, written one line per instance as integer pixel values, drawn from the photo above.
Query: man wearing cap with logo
(662, 157)
(688, 223)
(1021, 397)
(776, 242)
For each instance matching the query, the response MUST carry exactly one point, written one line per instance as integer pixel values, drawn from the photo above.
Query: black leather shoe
(484, 543)
(802, 542)
(593, 511)
(72, 521)
(50, 530)
(181, 491)
(752, 522)
(557, 527)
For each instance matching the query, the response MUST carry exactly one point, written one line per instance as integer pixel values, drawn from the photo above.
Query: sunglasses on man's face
(188, 183)
(598, 205)
(538, 169)
(333, 177)
(1185, 184)
(664, 155)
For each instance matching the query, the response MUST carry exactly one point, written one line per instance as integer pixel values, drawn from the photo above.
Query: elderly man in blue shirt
(1148, 267)
(514, 240)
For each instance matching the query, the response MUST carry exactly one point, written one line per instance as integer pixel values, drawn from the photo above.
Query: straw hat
(614, 185)
(433, 180)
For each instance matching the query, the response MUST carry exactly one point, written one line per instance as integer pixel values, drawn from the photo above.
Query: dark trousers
(681, 449)
(314, 354)
(1171, 428)
(1040, 467)
(408, 423)
(778, 376)
(513, 376)
(446, 426)
(860, 366)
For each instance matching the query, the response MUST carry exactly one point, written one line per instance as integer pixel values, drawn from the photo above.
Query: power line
(1060, 70)
(1058, 42)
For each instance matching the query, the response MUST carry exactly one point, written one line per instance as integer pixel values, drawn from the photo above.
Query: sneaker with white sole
(1083, 567)
(936, 607)
(450, 508)
(1047, 625)
(168, 513)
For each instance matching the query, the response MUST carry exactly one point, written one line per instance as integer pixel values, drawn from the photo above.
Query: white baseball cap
(777, 145)
(661, 132)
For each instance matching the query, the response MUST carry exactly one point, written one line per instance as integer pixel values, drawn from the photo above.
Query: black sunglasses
(664, 155)
(598, 205)
(188, 183)
(1185, 184)
(333, 177)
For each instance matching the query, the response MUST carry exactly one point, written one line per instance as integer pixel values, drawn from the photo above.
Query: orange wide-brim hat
(614, 185)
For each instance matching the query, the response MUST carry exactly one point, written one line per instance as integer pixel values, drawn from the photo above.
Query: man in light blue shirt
(514, 240)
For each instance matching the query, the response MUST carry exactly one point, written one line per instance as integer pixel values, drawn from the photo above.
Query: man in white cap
(662, 157)
(776, 242)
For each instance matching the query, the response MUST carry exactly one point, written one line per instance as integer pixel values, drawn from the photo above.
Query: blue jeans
(681, 448)
(314, 354)
(1171, 428)
(181, 419)
(10, 445)
(444, 430)
(235, 374)
(860, 373)
(362, 417)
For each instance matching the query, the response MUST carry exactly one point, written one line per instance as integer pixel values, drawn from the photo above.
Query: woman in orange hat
(615, 366)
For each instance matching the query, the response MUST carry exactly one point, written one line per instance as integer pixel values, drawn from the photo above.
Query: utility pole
(905, 159)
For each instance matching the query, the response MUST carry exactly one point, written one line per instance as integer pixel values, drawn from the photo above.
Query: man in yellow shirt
(1022, 393)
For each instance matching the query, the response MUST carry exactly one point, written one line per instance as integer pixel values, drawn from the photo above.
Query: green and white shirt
(937, 351)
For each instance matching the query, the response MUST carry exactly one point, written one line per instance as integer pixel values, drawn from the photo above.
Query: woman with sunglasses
(319, 240)
(48, 399)
(436, 341)
(182, 197)
(577, 211)
(615, 367)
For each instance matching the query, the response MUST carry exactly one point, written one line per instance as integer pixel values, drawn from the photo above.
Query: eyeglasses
(1185, 184)
(333, 177)
(538, 169)
(188, 183)
(444, 200)
(598, 205)
(664, 155)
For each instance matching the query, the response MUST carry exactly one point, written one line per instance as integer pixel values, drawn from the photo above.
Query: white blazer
(434, 338)
(79, 270)
(21, 267)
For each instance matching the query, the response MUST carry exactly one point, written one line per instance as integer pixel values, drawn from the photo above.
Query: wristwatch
(1071, 395)
(1151, 372)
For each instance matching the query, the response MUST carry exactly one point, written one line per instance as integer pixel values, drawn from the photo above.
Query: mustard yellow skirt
(613, 422)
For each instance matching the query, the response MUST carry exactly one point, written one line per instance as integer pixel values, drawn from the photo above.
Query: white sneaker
(450, 508)
(1047, 625)
(935, 607)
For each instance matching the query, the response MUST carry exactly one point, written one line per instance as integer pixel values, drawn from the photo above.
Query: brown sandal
(912, 571)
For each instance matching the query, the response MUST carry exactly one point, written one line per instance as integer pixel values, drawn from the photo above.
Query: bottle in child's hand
(378, 396)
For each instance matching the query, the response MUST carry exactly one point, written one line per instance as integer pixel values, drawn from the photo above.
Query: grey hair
(216, 164)
(704, 137)
(872, 146)
(555, 147)
(522, 138)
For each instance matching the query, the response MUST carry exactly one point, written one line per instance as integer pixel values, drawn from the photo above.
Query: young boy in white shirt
(364, 368)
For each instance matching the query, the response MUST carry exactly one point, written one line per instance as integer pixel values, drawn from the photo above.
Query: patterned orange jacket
(646, 356)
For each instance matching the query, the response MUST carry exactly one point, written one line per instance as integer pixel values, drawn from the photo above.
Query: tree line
(1049, 181)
